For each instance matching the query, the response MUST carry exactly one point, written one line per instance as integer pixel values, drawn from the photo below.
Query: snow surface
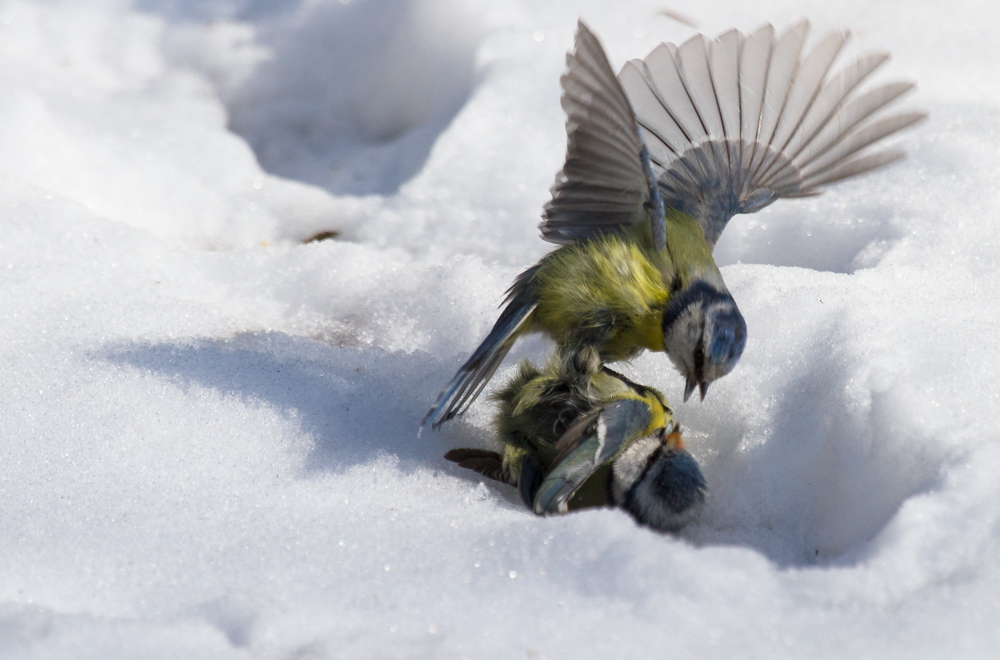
(209, 428)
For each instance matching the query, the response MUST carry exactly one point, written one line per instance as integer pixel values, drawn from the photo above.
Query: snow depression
(208, 429)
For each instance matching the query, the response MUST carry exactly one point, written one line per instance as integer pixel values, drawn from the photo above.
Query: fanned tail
(473, 376)
(734, 123)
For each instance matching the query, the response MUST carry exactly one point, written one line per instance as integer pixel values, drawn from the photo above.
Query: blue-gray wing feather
(472, 377)
(607, 182)
(734, 123)
(592, 442)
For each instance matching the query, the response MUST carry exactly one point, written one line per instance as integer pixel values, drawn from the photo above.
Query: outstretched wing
(734, 123)
(607, 182)
(586, 446)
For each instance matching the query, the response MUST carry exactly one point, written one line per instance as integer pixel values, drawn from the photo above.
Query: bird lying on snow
(577, 434)
(658, 160)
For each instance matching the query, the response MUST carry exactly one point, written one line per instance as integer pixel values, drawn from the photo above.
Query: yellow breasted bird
(658, 161)
(577, 434)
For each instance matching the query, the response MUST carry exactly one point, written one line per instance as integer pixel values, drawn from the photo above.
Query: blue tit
(658, 160)
(579, 436)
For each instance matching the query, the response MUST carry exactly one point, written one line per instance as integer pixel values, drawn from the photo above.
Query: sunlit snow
(208, 428)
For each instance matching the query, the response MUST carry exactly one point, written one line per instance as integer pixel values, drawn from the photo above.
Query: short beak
(689, 388)
(674, 440)
(703, 388)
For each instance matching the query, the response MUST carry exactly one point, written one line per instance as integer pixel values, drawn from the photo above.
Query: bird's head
(658, 481)
(703, 334)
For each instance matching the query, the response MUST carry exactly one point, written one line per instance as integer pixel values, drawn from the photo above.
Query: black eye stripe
(650, 460)
(699, 358)
(700, 291)
(630, 502)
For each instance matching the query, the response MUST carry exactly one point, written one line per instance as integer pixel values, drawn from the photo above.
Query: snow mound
(209, 422)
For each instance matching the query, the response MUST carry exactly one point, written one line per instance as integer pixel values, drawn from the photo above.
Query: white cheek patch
(629, 467)
(682, 337)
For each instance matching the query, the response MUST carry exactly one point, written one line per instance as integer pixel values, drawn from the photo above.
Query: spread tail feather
(485, 462)
(734, 123)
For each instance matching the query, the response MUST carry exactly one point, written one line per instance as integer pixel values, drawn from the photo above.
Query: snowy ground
(209, 428)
